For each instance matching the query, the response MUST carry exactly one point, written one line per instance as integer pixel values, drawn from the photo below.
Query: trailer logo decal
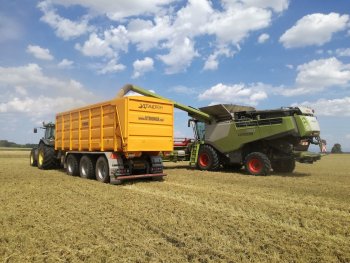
(146, 106)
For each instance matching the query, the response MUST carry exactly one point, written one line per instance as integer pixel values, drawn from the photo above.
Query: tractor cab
(49, 135)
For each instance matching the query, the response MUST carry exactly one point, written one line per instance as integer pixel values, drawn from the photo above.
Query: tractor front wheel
(32, 160)
(46, 157)
(257, 163)
(208, 158)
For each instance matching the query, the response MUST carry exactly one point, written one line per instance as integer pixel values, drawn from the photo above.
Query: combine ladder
(194, 154)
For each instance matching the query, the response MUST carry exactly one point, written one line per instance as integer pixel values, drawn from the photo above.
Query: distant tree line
(5, 143)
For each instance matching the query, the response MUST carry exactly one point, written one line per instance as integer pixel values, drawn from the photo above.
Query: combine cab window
(200, 130)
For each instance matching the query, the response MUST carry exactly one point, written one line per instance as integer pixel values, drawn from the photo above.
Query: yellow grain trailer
(117, 139)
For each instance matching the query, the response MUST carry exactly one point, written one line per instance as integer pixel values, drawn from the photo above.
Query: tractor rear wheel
(284, 165)
(208, 158)
(257, 163)
(32, 160)
(102, 170)
(86, 167)
(46, 157)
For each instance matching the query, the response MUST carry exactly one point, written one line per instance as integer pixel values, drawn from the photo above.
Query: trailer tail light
(113, 156)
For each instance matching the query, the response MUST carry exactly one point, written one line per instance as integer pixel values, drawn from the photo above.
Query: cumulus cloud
(142, 66)
(329, 107)
(263, 38)
(237, 93)
(111, 67)
(343, 52)
(318, 75)
(119, 9)
(30, 91)
(64, 28)
(65, 63)
(39, 52)
(315, 29)
(176, 30)
(180, 56)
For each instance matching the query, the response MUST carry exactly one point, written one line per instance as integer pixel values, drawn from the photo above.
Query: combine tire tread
(208, 159)
(257, 163)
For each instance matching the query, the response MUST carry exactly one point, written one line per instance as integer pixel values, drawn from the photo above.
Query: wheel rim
(70, 168)
(101, 170)
(31, 159)
(204, 160)
(41, 158)
(255, 165)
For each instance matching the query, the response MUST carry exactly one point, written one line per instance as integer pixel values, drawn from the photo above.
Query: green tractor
(232, 137)
(44, 155)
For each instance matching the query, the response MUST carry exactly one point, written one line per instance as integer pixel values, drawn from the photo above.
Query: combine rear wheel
(32, 160)
(46, 157)
(86, 167)
(284, 165)
(208, 158)
(257, 163)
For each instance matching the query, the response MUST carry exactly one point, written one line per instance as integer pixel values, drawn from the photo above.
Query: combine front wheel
(208, 158)
(257, 163)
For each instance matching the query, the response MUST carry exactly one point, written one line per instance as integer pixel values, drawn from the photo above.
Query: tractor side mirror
(35, 130)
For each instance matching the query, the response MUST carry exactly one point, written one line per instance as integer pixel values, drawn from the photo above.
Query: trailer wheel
(257, 163)
(46, 157)
(32, 160)
(102, 170)
(208, 158)
(284, 166)
(86, 167)
(72, 165)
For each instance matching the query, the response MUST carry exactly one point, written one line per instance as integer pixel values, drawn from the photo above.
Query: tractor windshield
(50, 133)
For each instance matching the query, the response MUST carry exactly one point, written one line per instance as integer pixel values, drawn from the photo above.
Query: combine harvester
(111, 141)
(234, 136)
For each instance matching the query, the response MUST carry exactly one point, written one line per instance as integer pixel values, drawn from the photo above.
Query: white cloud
(119, 9)
(237, 93)
(95, 47)
(39, 52)
(212, 62)
(65, 63)
(315, 29)
(64, 28)
(276, 5)
(180, 56)
(111, 67)
(329, 107)
(142, 66)
(318, 75)
(183, 90)
(290, 66)
(343, 52)
(263, 38)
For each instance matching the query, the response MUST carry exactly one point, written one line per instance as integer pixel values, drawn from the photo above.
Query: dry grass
(47, 216)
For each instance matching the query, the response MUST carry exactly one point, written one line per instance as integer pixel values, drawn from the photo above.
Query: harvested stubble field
(193, 216)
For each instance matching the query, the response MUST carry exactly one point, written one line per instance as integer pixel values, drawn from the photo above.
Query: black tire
(86, 167)
(257, 163)
(72, 164)
(102, 170)
(32, 161)
(208, 159)
(284, 165)
(46, 157)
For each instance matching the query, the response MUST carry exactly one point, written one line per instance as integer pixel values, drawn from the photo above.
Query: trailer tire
(86, 167)
(257, 163)
(208, 159)
(102, 170)
(72, 165)
(284, 166)
(46, 157)
(32, 161)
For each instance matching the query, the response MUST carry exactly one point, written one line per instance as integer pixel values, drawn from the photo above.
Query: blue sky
(60, 54)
